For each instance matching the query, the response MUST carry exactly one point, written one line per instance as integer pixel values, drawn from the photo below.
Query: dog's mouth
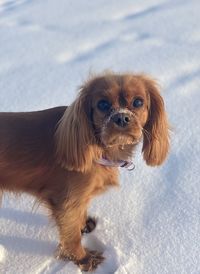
(117, 135)
(120, 140)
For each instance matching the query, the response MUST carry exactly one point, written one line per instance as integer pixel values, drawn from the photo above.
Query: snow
(47, 49)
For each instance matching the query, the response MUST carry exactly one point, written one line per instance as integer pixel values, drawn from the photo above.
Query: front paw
(91, 261)
(90, 225)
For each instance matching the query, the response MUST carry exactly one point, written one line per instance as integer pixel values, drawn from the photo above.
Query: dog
(65, 156)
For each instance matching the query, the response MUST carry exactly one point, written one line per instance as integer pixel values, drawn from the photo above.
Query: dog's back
(26, 145)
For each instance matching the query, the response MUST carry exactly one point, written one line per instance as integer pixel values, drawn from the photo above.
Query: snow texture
(151, 224)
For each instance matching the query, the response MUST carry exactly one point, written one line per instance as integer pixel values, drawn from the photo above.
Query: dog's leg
(69, 223)
(89, 224)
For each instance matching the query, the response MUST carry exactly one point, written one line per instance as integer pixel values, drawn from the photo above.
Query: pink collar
(121, 163)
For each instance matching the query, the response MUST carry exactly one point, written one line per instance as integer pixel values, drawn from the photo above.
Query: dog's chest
(102, 178)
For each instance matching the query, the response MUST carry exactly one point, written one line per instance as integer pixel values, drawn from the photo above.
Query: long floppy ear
(156, 131)
(76, 148)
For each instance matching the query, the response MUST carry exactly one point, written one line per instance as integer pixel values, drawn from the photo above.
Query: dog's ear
(75, 140)
(156, 130)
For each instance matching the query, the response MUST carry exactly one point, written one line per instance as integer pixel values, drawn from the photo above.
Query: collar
(121, 163)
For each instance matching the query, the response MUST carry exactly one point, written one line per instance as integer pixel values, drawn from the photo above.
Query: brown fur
(52, 154)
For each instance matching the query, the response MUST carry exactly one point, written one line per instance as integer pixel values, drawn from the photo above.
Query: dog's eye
(103, 105)
(138, 102)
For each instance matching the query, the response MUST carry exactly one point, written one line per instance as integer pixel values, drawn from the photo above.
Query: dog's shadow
(37, 246)
(25, 244)
(29, 218)
(28, 245)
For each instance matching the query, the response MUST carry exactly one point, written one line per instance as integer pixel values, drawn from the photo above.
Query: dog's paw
(89, 225)
(91, 261)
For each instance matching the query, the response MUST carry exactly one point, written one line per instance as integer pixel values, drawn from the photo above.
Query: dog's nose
(121, 119)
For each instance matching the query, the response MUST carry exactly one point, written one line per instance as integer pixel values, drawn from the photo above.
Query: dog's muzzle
(121, 118)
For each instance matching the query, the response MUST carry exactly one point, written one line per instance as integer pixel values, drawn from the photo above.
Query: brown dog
(67, 155)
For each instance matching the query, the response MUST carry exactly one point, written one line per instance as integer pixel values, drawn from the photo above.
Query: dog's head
(113, 111)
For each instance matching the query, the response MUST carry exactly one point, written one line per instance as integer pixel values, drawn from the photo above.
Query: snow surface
(47, 48)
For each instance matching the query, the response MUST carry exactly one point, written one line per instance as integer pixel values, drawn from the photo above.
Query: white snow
(47, 48)
(2, 254)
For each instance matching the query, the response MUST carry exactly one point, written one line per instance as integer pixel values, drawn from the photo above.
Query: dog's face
(113, 111)
(119, 109)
